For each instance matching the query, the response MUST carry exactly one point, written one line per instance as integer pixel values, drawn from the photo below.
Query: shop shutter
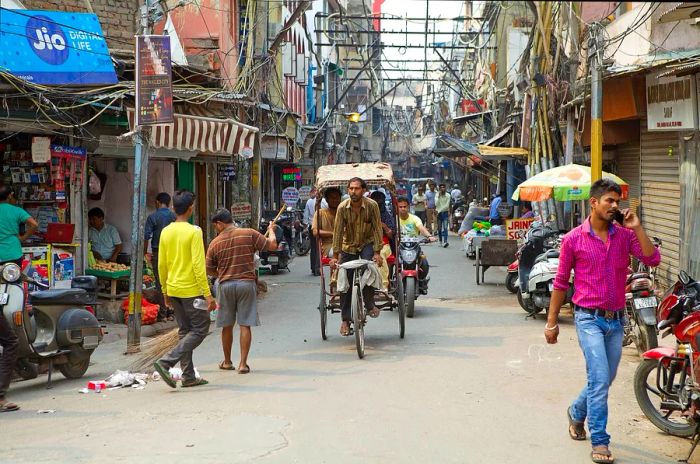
(660, 189)
(628, 155)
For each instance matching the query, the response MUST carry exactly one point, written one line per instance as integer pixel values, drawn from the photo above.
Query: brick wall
(117, 17)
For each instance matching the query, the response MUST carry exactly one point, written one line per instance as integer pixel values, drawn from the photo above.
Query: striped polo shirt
(232, 253)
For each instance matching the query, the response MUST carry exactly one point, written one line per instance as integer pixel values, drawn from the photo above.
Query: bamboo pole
(282, 210)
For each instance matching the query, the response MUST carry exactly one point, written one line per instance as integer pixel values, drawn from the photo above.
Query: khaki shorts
(237, 302)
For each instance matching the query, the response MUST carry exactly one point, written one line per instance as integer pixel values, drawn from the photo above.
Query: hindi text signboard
(154, 80)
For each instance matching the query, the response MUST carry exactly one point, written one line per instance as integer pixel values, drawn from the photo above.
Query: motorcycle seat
(61, 296)
(549, 254)
(637, 275)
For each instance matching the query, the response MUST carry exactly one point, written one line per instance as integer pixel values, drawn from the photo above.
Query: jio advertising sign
(54, 47)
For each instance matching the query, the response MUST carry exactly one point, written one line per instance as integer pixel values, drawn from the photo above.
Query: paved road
(472, 382)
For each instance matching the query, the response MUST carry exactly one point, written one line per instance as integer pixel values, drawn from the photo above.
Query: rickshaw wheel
(358, 315)
(401, 303)
(323, 310)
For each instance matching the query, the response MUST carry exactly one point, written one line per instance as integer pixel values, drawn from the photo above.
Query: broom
(160, 345)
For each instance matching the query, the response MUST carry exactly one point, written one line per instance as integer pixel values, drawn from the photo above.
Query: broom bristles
(154, 349)
(160, 345)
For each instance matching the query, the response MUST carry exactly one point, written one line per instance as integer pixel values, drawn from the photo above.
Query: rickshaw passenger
(388, 230)
(357, 234)
(323, 228)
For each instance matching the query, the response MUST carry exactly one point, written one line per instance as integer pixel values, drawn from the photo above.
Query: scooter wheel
(26, 370)
(511, 280)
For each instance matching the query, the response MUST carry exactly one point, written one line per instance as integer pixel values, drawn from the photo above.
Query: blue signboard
(54, 47)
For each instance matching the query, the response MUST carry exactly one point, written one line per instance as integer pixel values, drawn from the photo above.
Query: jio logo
(47, 40)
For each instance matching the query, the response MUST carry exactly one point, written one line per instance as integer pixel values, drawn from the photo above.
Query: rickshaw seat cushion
(391, 260)
(325, 260)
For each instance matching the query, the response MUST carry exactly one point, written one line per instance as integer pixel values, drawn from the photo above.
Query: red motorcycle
(665, 383)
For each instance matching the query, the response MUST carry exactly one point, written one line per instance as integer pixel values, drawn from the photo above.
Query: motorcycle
(302, 238)
(276, 259)
(666, 381)
(415, 282)
(640, 306)
(537, 267)
(459, 211)
(54, 327)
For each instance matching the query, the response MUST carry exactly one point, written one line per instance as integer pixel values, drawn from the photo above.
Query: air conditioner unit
(300, 75)
(355, 129)
(288, 59)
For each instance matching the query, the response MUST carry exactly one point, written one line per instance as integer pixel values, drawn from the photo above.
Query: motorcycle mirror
(684, 278)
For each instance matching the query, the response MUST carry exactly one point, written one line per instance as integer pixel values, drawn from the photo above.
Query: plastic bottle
(200, 303)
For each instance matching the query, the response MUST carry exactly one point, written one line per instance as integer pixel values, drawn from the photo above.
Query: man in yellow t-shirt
(183, 278)
(411, 226)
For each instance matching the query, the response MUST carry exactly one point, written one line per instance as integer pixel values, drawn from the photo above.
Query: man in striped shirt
(598, 251)
(231, 258)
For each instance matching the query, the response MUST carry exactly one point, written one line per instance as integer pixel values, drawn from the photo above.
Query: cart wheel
(323, 310)
(401, 303)
(358, 316)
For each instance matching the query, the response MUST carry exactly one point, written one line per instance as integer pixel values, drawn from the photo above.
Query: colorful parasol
(563, 183)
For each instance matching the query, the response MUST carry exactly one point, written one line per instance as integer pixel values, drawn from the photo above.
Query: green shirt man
(11, 218)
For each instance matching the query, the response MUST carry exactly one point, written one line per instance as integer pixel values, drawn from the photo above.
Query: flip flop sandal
(224, 367)
(374, 312)
(6, 406)
(245, 370)
(194, 383)
(607, 460)
(164, 374)
(579, 432)
(346, 332)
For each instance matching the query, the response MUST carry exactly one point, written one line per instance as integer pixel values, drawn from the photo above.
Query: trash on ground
(46, 411)
(83, 390)
(176, 373)
(126, 379)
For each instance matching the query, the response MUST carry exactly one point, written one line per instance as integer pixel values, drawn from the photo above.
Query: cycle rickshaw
(375, 175)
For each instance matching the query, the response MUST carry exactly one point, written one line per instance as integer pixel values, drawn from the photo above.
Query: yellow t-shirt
(410, 227)
(181, 261)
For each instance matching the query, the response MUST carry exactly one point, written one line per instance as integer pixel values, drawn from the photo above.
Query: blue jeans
(443, 225)
(600, 340)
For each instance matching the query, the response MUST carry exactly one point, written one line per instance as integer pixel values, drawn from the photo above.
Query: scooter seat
(549, 254)
(77, 296)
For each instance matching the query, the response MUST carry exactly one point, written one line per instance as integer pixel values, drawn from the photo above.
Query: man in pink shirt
(598, 251)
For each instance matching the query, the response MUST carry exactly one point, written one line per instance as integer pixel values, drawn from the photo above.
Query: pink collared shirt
(600, 269)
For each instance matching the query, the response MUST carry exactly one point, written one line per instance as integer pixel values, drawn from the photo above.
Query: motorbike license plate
(273, 259)
(90, 342)
(4, 297)
(649, 302)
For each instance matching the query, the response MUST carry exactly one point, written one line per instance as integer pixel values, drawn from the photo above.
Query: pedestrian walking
(155, 223)
(419, 204)
(309, 211)
(183, 273)
(430, 213)
(231, 259)
(357, 234)
(598, 252)
(442, 207)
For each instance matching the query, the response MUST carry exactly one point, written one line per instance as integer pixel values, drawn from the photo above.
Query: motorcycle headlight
(409, 256)
(11, 273)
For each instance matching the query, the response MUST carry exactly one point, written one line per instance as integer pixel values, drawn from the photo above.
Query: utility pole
(573, 68)
(596, 54)
(138, 216)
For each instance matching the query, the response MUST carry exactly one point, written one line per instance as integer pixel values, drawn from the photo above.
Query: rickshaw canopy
(338, 175)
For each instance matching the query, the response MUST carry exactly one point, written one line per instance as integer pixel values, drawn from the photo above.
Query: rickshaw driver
(357, 234)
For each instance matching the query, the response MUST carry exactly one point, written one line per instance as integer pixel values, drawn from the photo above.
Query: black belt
(610, 315)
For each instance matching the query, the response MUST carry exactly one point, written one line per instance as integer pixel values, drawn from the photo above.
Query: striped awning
(211, 136)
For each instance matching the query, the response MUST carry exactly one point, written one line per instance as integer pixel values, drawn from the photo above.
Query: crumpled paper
(176, 373)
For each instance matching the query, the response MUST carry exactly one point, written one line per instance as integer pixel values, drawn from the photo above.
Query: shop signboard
(305, 192)
(55, 47)
(241, 210)
(65, 151)
(41, 150)
(274, 148)
(291, 174)
(516, 228)
(290, 196)
(227, 172)
(671, 103)
(154, 93)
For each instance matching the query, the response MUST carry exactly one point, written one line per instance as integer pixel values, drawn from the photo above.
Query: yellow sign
(516, 228)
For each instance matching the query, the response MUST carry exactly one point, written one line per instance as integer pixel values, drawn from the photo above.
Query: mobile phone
(619, 217)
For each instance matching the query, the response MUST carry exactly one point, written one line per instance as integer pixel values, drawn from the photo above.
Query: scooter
(415, 281)
(512, 277)
(537, 268)
(459, 210)
(277, 259)
(54, 327)
(302, 238)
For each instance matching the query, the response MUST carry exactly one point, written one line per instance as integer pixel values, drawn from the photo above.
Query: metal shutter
(628, 168)
(660, 207)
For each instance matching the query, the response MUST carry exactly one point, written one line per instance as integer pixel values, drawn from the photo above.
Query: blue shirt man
(104, 238)
(495, 203)
(157, 221)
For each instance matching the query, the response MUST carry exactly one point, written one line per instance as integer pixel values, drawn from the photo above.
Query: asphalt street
(472, 382)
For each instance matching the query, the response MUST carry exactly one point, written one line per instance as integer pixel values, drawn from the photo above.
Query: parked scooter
(537, 268)
(415, 278)
(280, 258)
(302, 238)
(512, 276)
(54, 327)
(459, 211)
(666, 382)
(640, 305)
